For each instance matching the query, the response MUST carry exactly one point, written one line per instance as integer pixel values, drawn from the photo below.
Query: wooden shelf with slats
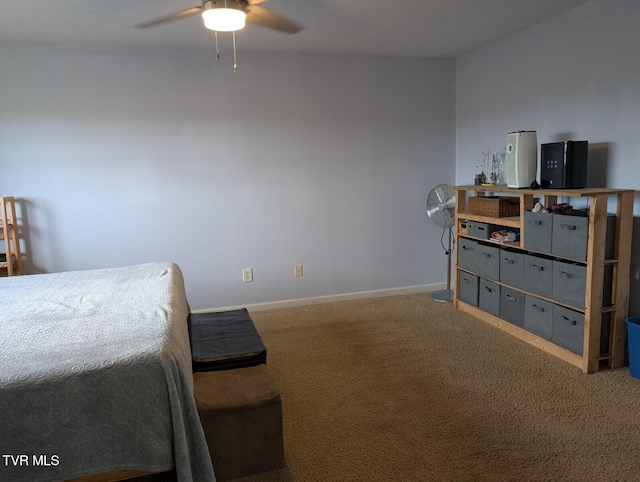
(598, 199)
(11, 262)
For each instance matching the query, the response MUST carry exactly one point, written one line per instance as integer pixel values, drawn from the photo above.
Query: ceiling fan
(230, 16)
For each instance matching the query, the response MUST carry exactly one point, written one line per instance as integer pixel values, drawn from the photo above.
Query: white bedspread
(95, 375)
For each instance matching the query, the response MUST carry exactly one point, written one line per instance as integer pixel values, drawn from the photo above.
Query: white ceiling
(417, 28)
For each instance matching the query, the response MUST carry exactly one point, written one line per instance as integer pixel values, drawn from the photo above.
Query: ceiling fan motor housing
(223, 16)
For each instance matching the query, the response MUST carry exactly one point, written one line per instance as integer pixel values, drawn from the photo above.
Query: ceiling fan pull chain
(215, 35)
(235, 60)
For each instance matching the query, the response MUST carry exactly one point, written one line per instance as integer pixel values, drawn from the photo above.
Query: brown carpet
(403, 388)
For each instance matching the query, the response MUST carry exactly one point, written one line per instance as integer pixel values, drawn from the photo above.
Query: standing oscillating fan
(440, 208)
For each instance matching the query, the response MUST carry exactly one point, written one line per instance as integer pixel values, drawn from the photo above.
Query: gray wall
(575, 76)
(122, 156)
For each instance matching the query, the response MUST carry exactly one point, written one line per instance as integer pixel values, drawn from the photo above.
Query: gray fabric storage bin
(512, 268)
(512, 306)
(570, 234)
(538, 316)
(468, 285)
(538, 275)
(489, 297)
(467, 254)
(568, 330)
(488, 261)
(480, 230)
(569, 283)
(538, 231)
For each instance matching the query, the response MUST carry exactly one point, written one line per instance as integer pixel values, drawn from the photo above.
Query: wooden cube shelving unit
(598, 199)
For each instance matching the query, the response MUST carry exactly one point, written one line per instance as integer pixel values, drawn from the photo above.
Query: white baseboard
(271, 305)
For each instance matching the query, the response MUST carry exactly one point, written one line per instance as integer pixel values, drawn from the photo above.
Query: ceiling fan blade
(267, 18)
(170, 18)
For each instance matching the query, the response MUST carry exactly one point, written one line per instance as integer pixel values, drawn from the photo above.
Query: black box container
(563, 165)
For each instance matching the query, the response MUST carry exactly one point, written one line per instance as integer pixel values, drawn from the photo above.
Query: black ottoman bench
(224, 340)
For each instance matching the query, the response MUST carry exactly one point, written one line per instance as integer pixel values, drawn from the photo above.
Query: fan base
(443, 296)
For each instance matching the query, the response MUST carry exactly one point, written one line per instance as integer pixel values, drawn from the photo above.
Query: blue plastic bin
(633, 336)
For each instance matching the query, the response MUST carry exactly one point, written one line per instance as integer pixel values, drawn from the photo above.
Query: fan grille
(440, 205)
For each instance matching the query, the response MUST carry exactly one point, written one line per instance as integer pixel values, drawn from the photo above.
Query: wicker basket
(494, 206)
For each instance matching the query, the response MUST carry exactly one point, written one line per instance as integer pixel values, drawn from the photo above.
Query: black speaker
(563, 165)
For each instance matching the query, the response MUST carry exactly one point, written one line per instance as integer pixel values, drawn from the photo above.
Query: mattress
(95, 375)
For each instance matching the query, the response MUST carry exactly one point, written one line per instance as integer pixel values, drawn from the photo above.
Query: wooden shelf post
(9, 233)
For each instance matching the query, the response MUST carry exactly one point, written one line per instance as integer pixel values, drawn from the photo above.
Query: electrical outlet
(297, 270)
(247, 275)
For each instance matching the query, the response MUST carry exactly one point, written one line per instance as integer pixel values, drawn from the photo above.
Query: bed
(95, 375)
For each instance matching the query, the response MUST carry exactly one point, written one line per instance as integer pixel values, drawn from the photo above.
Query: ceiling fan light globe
(224, 19)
